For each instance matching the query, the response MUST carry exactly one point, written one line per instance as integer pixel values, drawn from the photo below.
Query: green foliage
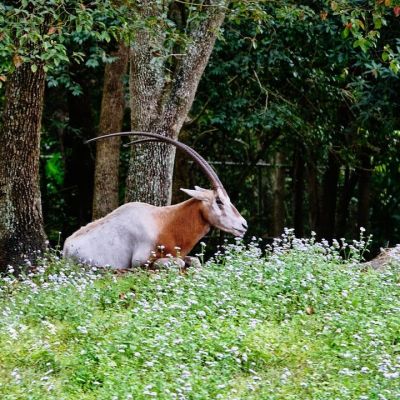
(298, 323)
(318, 77)
(54, 170)
(366, 24)
(298, 85)
(41, 32)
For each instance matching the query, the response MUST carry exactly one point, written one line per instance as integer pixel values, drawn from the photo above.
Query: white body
(121, 239)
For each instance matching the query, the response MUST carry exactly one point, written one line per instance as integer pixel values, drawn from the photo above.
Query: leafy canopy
(40, 32)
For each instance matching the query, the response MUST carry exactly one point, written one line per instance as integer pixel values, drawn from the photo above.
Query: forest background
(298, 109)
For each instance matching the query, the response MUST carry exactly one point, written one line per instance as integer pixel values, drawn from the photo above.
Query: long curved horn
(207, 169)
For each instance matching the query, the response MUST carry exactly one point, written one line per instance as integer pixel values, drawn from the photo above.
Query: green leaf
(34, 68)
(362, 43)
(394, 66)
(377, 21)
(54, 168)
(360, 24)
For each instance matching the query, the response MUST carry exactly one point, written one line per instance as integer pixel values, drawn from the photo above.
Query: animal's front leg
(192, 262)
(167, 262)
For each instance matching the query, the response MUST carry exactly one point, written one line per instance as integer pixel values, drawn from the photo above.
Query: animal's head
(216, 205)
(219, 211)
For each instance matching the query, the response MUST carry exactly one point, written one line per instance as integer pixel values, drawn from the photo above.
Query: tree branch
(191, 67)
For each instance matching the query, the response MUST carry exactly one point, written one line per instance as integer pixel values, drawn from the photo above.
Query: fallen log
(386, 257)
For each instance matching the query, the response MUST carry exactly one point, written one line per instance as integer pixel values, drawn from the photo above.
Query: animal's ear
(197, 194)
(200, 189)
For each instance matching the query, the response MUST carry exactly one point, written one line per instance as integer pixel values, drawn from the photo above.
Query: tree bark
(182, 172)
(79, 161)
(364, 192)
(160, 102)
(21, 223)
(350, 181)
(313, 194)
(278, 195)
(106, 177)
(298, 193)
(329, 198)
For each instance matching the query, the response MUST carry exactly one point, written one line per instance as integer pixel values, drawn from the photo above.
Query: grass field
(295, 323)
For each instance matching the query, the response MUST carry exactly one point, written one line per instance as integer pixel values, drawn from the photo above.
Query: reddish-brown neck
(181, 225)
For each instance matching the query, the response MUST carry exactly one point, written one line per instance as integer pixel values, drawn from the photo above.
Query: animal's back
(122, 238)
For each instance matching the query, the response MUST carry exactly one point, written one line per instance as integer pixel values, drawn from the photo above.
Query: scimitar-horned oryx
(138, 233)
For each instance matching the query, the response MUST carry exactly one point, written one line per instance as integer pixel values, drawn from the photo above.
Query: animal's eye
(219, 202)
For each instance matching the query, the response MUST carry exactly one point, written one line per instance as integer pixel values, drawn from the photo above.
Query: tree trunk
(21, 222)
(350, 181)
(161, 99)
(364, 193)
(278, 195)
(79, 165)
(298, 193)
(313, 196)
(328, 200)
(106, 178)
(182, 169)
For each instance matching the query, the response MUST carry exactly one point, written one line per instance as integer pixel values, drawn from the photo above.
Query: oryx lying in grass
(133, 234)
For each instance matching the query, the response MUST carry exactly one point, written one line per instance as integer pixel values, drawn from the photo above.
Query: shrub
(293, 321)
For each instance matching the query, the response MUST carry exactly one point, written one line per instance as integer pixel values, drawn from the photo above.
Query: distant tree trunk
(106, 182)
(329, 198)
(278, 195)
(364, 192)
(350, 181)
(313, 194)
(298, 193)
(79, 165)
(21, 222)
(161, 98)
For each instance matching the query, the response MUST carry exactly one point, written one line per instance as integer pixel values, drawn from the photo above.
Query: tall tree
(329, 198)
(33, 41)
(278, 195)
(79, 163)
(162, 92)
(105, 196)
(298, 192)
(21, 222)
